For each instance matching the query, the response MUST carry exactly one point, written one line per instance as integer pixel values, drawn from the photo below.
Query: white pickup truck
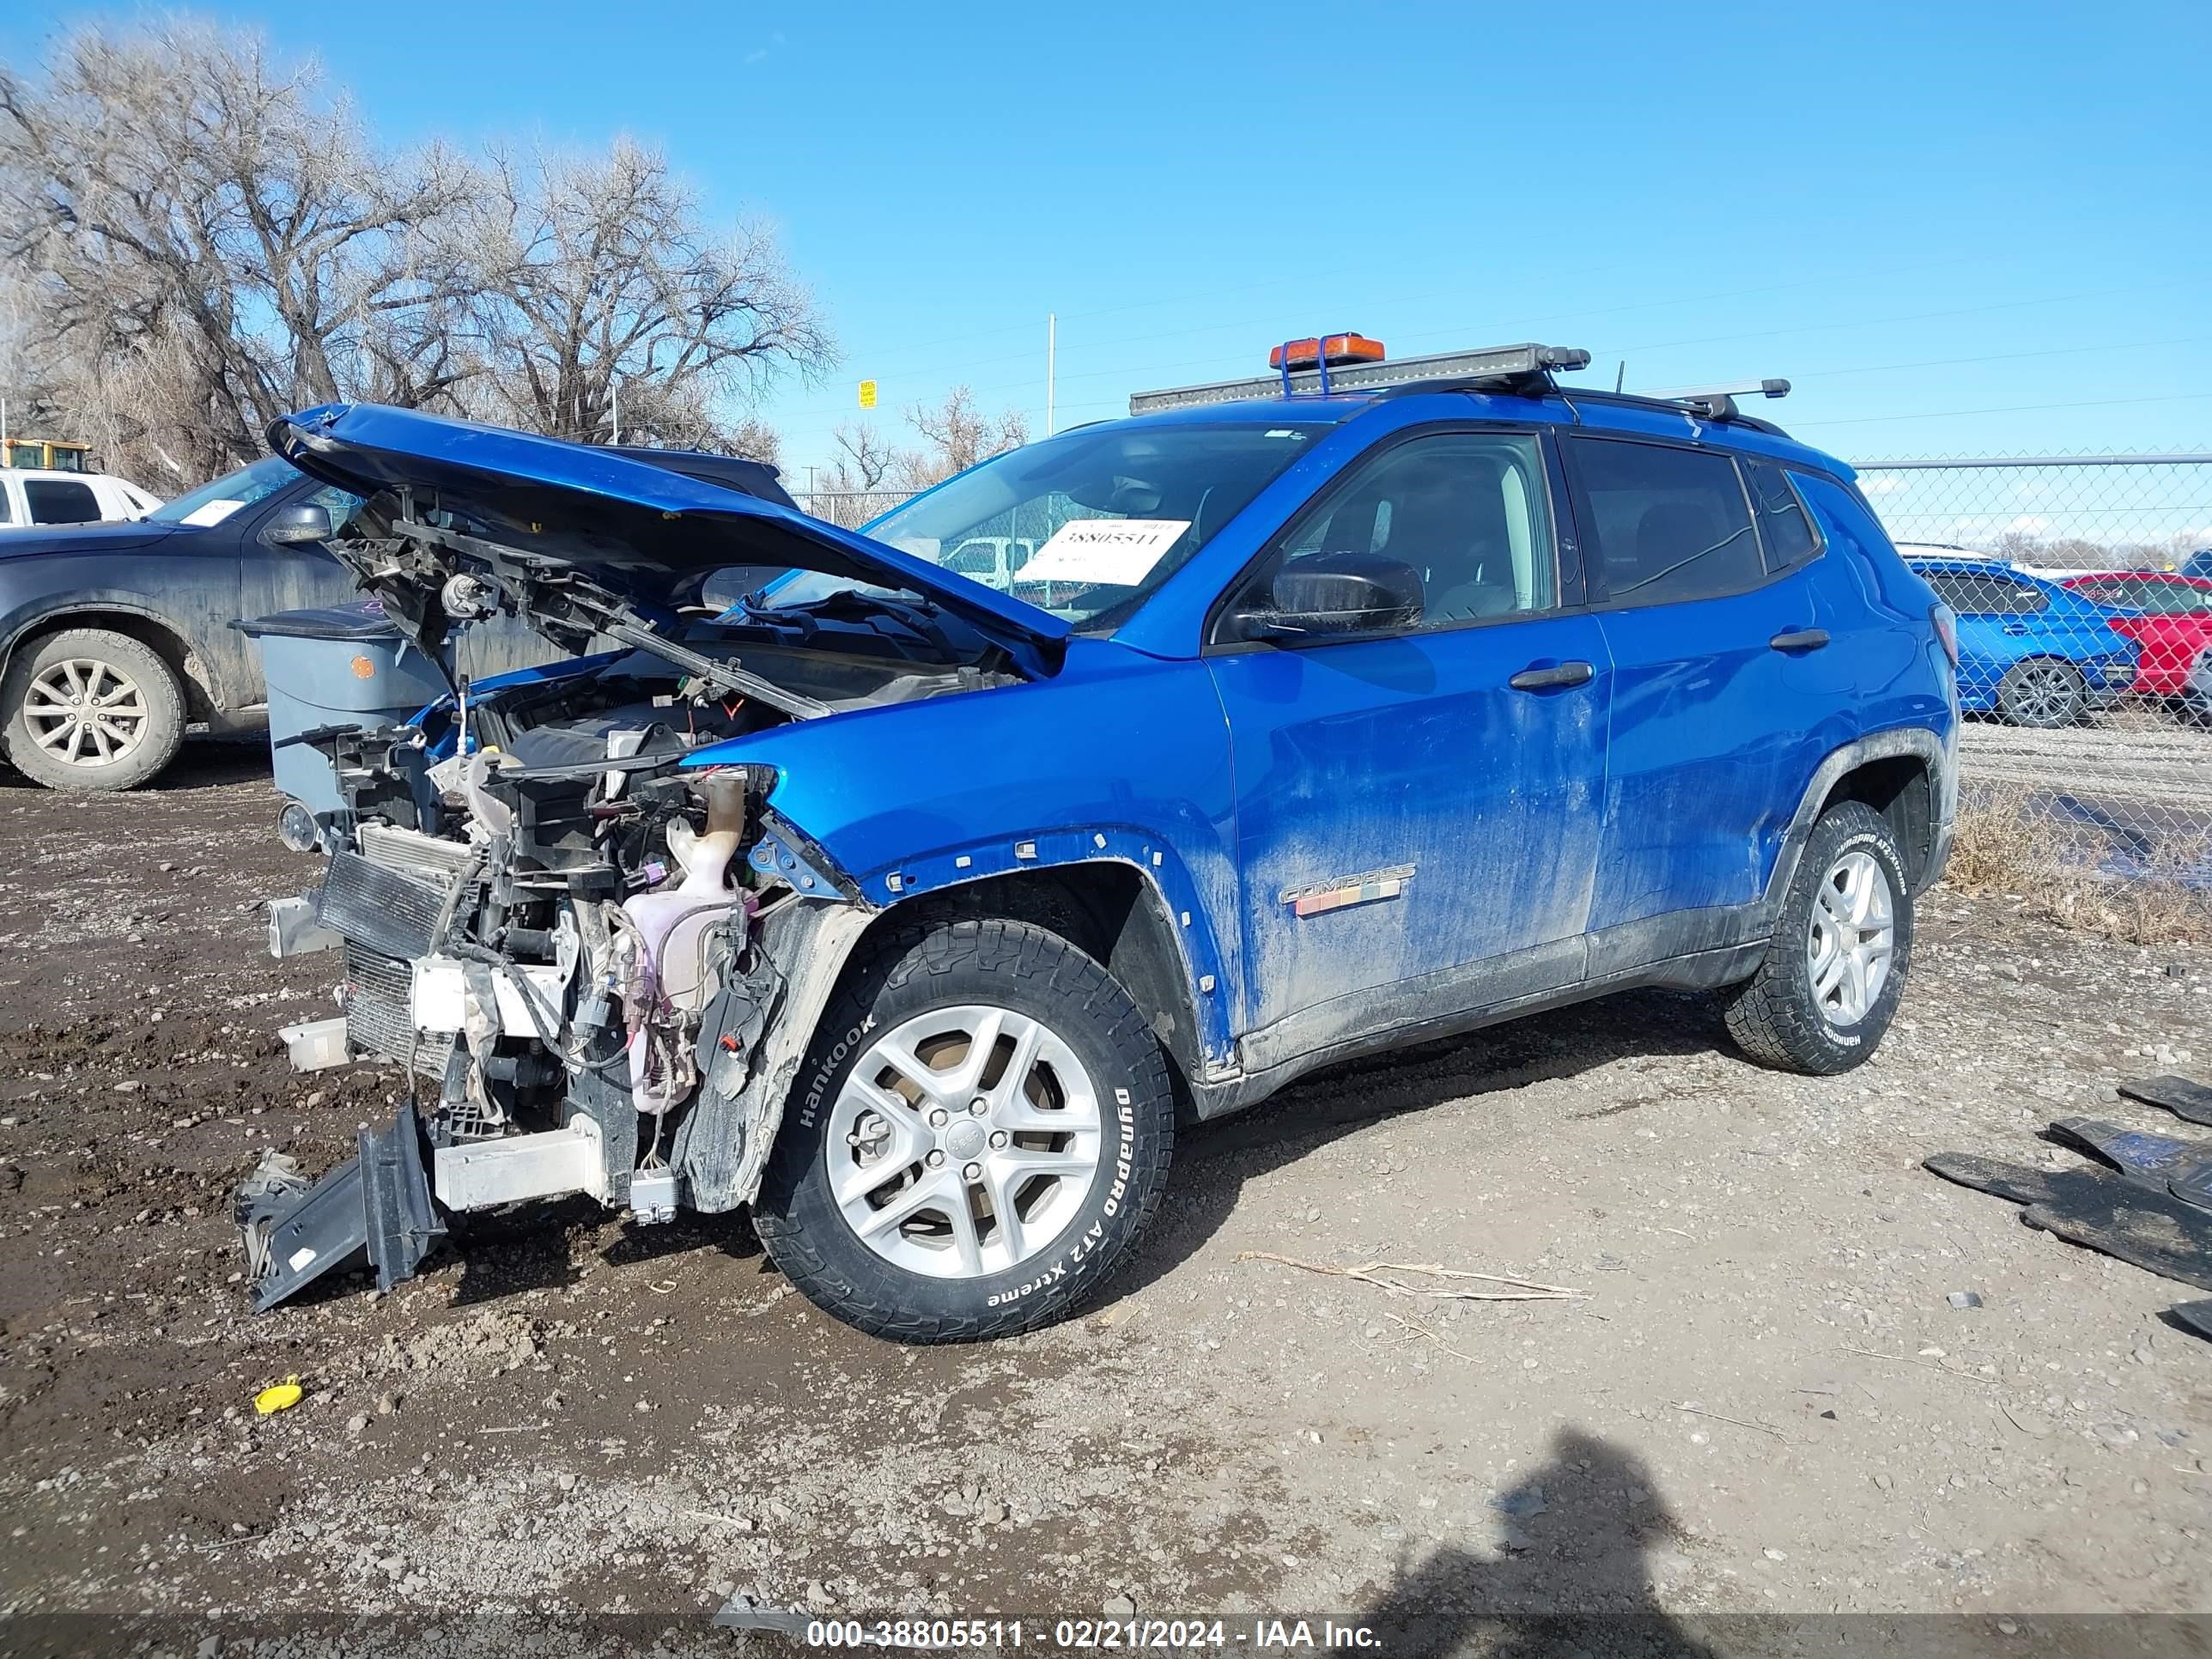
(37, 497)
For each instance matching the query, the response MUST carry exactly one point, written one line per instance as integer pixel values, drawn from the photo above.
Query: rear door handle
(1539, 679)
(1800, 639)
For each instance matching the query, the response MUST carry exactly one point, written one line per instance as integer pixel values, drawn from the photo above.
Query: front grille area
(396, 914)
(379, 1017)
(429, 858)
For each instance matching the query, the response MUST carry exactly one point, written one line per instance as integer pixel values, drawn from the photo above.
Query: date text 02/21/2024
(1139, 1634)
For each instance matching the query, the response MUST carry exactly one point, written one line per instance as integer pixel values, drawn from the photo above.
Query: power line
(2007, 408)
(1249, 326)
(1764, 334)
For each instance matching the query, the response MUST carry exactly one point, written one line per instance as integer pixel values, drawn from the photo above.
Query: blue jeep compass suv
(1363, 704)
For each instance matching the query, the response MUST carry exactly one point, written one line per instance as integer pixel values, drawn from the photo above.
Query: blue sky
(1959, 228)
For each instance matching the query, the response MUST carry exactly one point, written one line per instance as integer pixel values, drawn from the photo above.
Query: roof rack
(1717, 403)
(1525, 370)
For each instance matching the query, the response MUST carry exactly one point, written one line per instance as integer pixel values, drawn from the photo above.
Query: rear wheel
(979, 1134)
(88, 709)
(1829, 987)
(2043, 693)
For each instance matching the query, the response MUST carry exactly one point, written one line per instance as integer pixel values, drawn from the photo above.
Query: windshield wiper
(923, 616)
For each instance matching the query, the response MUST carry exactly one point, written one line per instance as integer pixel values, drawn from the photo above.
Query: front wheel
(88, 709)
(979, 1135)
(1830, 984)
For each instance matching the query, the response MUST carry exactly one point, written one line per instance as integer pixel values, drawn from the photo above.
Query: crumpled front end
(583, 967)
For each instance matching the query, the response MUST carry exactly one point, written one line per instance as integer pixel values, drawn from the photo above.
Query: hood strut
(592, 607)
(725, 676)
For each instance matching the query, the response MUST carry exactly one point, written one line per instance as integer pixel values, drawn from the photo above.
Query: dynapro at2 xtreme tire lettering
(978, 1137)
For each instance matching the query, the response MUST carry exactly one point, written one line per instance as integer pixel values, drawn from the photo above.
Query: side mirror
(298, 526)
(1325, 595)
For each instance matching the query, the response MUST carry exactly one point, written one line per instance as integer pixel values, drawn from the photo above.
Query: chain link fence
(849, 509)
(2083, 589)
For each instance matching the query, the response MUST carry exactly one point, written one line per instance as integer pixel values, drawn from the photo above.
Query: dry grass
(2013, 845)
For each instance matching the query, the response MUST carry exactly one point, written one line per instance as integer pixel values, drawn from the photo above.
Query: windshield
(1086, 525)
(212, 503)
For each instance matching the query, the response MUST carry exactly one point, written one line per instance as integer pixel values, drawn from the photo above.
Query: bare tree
(215, 241)
(955, 436)
(600, 280)
(202, 238)
(866, 458)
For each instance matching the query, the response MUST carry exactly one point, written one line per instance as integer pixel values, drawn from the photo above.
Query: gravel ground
(2144, 768)
(1760, 1402)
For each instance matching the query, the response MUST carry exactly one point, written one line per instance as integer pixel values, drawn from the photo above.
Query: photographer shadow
(1575, 1575)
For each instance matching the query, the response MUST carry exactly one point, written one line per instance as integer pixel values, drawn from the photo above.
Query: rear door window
(60, 500)
(1669, 525)
(2019, 599)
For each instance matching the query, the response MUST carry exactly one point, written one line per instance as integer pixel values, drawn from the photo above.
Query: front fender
(1119, 758)
(47, 603)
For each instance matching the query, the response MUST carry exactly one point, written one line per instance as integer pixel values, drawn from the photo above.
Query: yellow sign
(867, 394)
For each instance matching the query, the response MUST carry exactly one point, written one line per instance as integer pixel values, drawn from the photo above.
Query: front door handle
(1800, 639)
(1541, 679)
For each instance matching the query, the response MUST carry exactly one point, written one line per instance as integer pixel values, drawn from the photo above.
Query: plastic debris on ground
(2146, 1200)
(280, 1398)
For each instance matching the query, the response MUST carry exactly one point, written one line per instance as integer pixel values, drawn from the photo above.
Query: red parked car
(2172, 631)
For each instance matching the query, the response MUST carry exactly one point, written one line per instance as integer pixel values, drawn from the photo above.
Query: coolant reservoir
(674, 921)
(670, 975)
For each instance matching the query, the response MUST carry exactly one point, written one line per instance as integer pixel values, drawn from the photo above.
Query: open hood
(633, 528)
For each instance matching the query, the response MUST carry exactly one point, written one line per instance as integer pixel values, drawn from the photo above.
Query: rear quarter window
(1785, 530)
(1958, 592)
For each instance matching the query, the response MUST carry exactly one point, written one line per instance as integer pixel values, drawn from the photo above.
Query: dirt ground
(1760, 1403)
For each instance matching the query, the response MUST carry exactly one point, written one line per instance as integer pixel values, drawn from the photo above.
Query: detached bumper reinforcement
(376, 1204)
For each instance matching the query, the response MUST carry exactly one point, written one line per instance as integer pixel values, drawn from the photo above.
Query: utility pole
(614, 396)
(1051, 351)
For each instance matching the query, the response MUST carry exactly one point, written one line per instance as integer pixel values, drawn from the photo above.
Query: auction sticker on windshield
(1119, 552)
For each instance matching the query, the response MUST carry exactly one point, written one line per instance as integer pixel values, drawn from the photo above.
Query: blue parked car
(2030, 652)
(1360, 705)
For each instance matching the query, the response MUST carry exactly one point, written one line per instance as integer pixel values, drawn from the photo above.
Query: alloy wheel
(964, 1141)
(84, 711)
(2043, 693)
(1853, 939)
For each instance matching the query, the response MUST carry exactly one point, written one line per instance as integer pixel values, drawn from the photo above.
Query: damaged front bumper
(527, 1068)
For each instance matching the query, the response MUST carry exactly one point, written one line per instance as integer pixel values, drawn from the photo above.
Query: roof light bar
(1522, 368)
(1325, 349)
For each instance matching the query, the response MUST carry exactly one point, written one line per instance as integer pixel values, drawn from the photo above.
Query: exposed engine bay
(581, 952)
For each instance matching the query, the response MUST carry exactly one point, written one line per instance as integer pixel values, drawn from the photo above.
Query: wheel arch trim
(104, 611)
(1940, 761)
